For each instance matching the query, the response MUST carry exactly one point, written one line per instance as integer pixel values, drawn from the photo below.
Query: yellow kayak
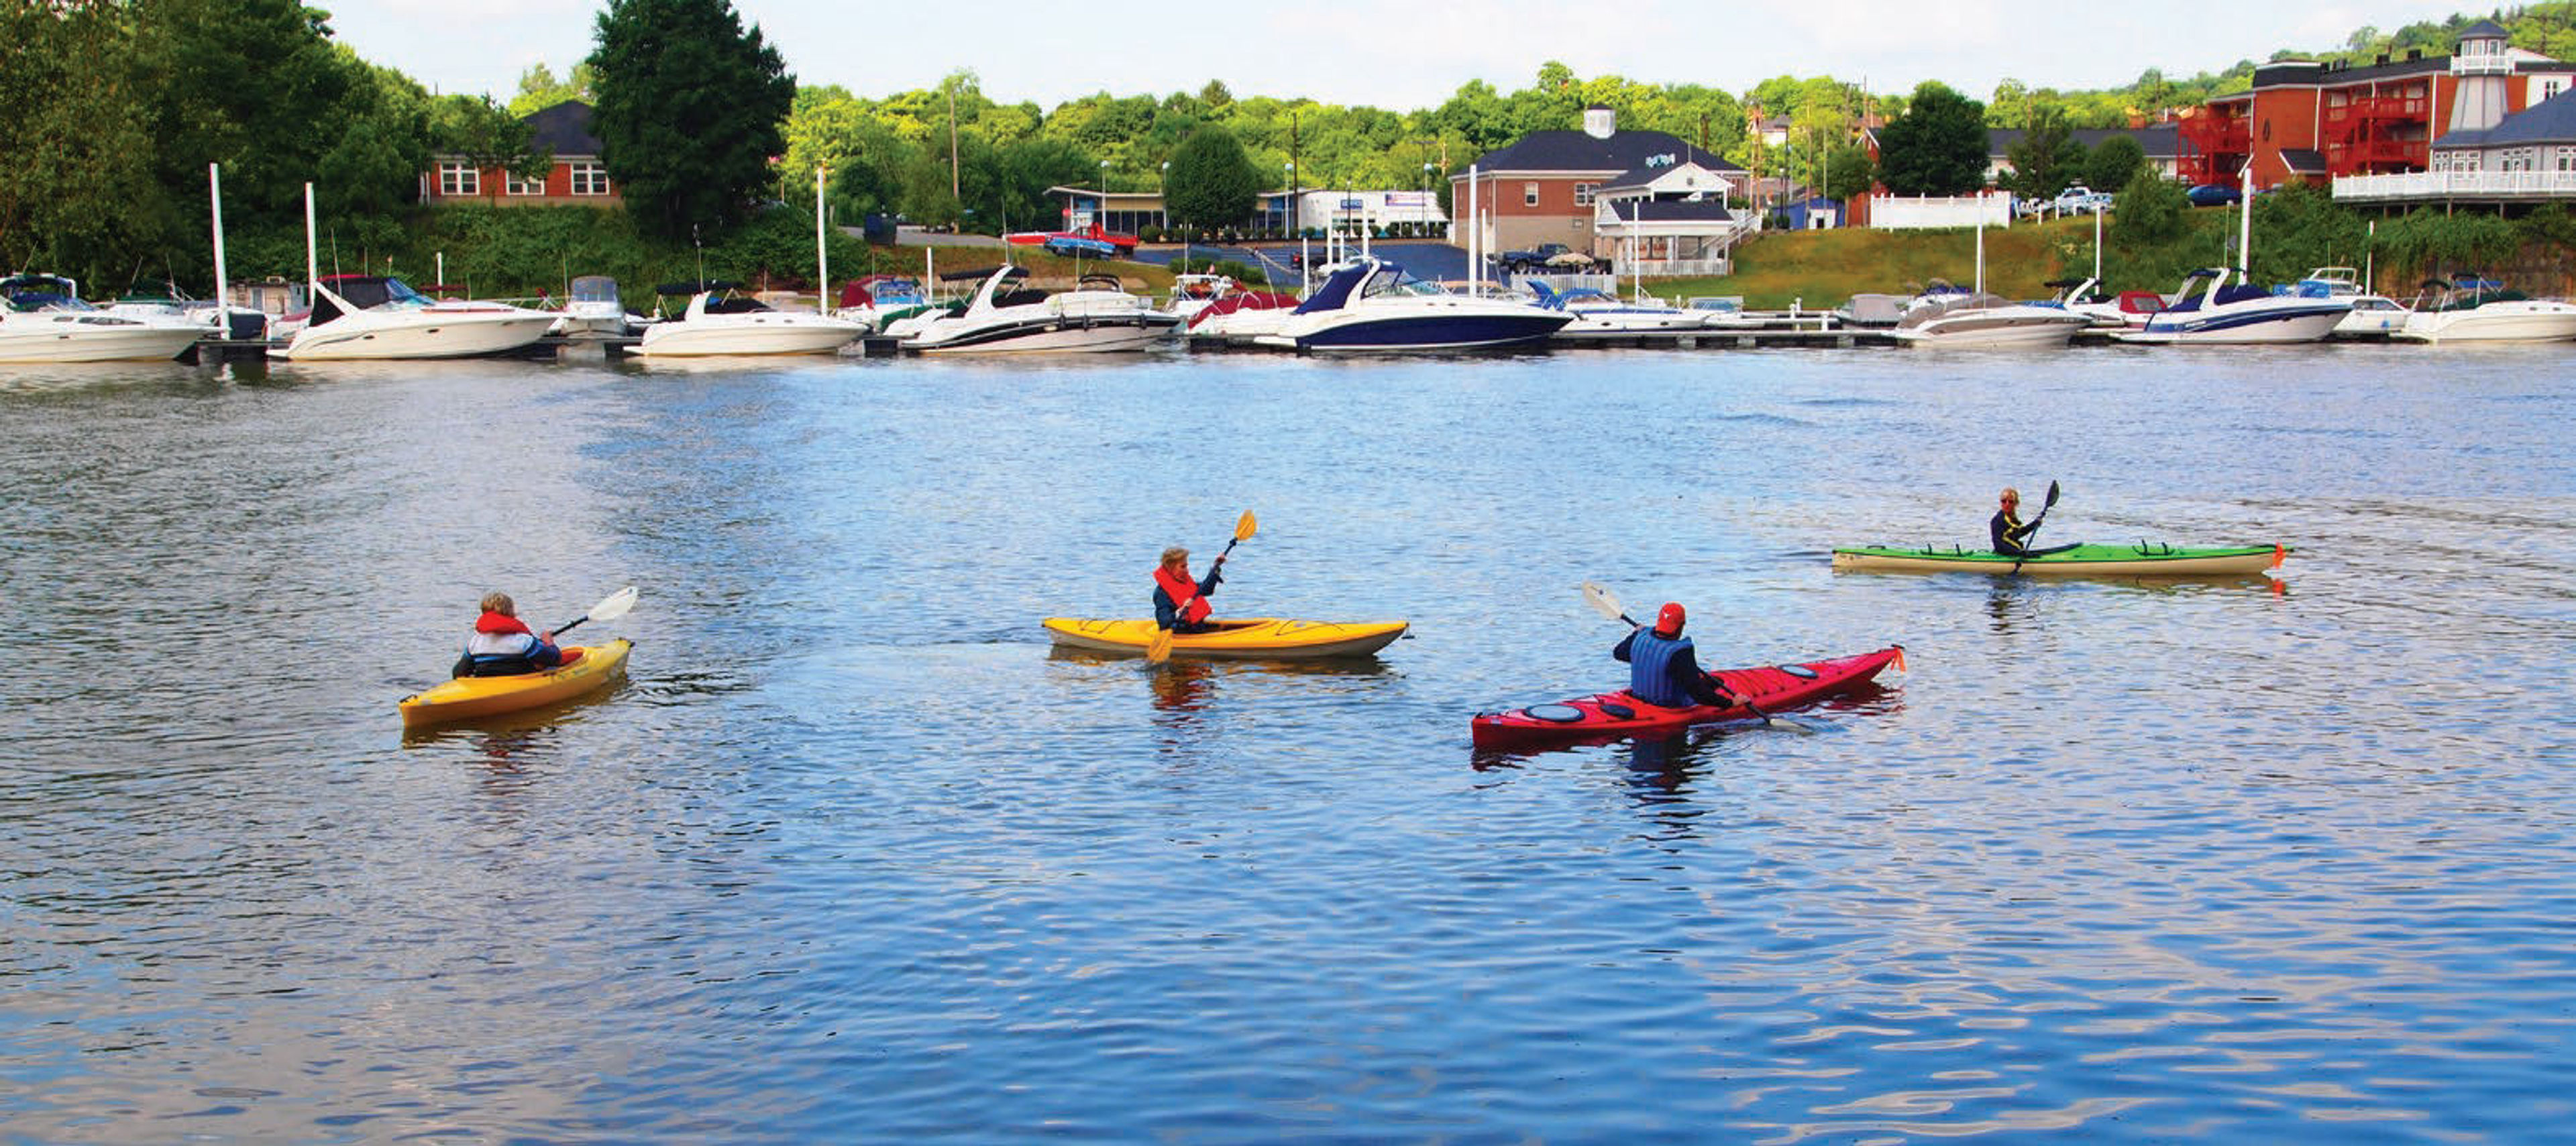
(1259, 638)
(465, 698)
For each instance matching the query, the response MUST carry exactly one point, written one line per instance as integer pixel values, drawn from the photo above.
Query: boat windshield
(594, 290)
(1391, 281)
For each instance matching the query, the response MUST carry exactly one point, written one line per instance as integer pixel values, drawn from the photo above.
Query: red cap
(1669, 622)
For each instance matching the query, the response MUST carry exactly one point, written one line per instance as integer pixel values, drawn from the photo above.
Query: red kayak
(1618, 715)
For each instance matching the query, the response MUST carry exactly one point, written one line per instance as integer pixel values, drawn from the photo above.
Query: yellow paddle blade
(1159, 649)
(1244, 526)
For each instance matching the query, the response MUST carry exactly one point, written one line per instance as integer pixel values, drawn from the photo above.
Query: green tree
(2046, 159)
(539, 89)
(690, 104)
(2114, 163)
(1849, 172)
(72, 199)
(1211, 184)
(483, 133)
(1938, 147)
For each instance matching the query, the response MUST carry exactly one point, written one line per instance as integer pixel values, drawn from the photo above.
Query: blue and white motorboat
(1600, 314)
(2230, 311)
(1371, 305)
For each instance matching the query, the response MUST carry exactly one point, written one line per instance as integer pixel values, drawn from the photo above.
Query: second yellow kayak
(1252, 638)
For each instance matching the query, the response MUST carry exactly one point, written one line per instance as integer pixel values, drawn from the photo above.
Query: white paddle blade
(1602, 600)
(615, 606)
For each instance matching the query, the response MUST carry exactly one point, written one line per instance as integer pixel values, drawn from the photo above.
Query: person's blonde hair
(1175, 553)
(2011, 494)
(500, 603)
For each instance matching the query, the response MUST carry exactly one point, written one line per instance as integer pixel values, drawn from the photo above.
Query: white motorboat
(1986, 322)
(1237, 319)
(1599, 314)
(1371, 305)
(381, 317)
(880, 301)
(593, 309)
(2474, 309)
(1974, 320)
(43, 319)
(1098, 315)
(2084, 296)
(719, 323)
(2373, 315)
(2231, 311)
(1192, 293)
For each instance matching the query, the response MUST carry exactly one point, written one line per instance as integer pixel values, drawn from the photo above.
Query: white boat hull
(765, 335)
(2494, 322)
(2214, 330)
(1070, 335)
(367, 335)
(39, 338)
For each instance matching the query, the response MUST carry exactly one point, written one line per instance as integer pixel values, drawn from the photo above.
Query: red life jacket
(1184, 594)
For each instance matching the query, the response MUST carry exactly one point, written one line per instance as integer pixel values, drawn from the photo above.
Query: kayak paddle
(613, 607)
(1606, 603)
(1159, 649)
(2033, 531)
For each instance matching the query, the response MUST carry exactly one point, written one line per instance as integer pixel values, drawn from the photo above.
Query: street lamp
(1288, 210)
(1101, 219)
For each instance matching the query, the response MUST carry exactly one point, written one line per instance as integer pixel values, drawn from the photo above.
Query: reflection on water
(850, 849)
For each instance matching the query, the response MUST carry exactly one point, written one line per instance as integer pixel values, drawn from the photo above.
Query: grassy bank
(1820, 269)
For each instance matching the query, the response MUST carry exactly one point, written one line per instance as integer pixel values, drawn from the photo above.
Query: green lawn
(1820, 269)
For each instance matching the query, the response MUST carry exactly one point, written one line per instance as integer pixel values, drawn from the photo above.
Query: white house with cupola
(1547, 187)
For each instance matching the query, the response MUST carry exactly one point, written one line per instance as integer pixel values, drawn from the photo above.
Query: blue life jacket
(1650, 669)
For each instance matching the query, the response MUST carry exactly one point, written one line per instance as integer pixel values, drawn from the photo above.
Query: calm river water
(853, 857)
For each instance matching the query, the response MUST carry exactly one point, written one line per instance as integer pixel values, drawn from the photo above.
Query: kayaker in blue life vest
(1663, 669)
(503, 646)
(2011, 537)
(1180, 604)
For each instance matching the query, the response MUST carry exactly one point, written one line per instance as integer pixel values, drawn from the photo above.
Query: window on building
(459, 179)
(1529, 194)
(513, 185)
(1583, 193)
(589, 179)
(2566, 159)
(2548, 86)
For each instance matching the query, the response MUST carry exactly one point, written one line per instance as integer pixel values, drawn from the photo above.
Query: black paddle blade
(2052, 497)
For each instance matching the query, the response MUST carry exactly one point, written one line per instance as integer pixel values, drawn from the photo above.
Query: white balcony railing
(2438, 185)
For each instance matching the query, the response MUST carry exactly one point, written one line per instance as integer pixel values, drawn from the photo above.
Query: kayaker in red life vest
(503, 646)
(2010, 536)
(1180, 604)
(1663, 669)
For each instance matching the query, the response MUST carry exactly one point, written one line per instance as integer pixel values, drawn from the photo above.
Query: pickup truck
(2080, 200)
(1530, 260)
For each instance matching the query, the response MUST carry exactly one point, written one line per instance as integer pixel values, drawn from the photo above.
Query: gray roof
(1671, 211)
(2159, 140)
(2552, 120)
(1580, 151)
(2304, 160)
(563, 129)
(1640, 176)
(2485, 29)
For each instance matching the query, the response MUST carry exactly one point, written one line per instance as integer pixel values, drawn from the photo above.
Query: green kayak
(2146, 558)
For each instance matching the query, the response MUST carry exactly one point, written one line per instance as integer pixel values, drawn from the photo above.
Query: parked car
(1519, 262)
(2213, 195)
(2080, 200)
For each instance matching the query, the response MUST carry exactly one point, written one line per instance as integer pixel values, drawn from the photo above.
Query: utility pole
(953, 192)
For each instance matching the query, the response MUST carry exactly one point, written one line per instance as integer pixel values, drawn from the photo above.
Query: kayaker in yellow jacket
(501, 644)
(2011, 537)
(1180, 604)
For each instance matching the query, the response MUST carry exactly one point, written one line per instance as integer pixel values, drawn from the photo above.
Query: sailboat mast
(215, 192)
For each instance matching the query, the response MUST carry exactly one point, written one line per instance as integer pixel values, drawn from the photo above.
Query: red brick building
(2306, 119)
(578, 179)
(1541, 188)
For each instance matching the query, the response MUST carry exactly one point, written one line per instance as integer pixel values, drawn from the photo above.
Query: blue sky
(1413, 52)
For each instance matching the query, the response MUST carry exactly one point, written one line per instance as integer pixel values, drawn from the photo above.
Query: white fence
(2436, 185)
(1890, 213)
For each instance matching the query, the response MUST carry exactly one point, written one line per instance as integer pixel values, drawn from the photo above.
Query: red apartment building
(2305, 119)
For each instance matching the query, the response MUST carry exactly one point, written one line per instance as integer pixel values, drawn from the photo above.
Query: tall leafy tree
(73, 193)
(2114, 163)
(690, 104)
(539, 89)
(2047, 158)
(1938, 147)
(1211, 184)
